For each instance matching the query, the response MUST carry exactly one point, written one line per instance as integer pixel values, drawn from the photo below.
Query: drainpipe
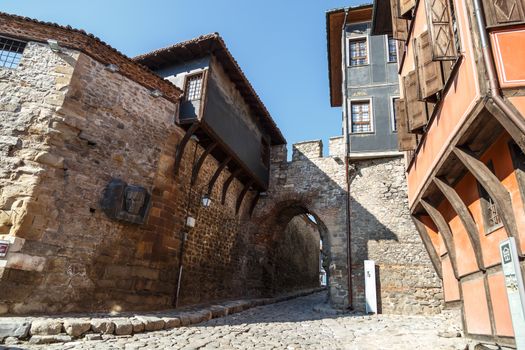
(346, 129)
(494, 87)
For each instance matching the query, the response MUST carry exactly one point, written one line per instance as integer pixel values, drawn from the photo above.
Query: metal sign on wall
(515, 291)
(4, 247)
(370, 287)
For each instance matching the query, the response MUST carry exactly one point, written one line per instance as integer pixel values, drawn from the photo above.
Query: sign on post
(370, 287)
(515, 291)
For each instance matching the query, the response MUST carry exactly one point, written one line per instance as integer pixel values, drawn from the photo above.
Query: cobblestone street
(290, 325)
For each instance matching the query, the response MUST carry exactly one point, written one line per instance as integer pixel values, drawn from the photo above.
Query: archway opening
(299, 253)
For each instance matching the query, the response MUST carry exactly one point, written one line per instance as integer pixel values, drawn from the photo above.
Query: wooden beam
(495, 189)
(182, 145)
(445, 232)
(464, 215)
(254, 202)
(227, 184)
(215, 176)
(502, 117)
(429, 246)
(202, 158)
(242, 194)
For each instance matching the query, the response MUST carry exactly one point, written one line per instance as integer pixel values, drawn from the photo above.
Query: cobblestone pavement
(289, 325)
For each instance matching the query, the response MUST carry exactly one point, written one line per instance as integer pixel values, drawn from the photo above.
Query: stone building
(363, 81)
(462, 124)
(103, 185)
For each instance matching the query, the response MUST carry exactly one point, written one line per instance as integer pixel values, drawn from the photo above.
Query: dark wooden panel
(502, 12)
(399, 25)
(417, 117)
(441, 29)
(405, 140)
(428, 70)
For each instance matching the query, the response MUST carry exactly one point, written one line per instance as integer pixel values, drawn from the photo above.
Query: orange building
(461, 123)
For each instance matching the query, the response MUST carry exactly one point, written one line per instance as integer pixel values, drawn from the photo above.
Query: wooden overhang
(213, 44)
(381, 18)
(334, 28)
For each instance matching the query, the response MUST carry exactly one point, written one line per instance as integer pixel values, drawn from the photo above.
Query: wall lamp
(156, 93)
(112, 68)
(206, 200)
(54, 46)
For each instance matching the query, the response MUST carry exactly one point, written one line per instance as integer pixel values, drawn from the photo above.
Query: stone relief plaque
(125, 202)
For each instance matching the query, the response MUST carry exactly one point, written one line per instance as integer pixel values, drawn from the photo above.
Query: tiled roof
(34, 30)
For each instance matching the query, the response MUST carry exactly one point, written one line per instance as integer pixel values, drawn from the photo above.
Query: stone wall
(69, 126)
(295, 256)
(381, 228)
(383, 231)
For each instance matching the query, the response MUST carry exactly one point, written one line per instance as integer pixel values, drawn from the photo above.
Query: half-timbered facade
(461, 123)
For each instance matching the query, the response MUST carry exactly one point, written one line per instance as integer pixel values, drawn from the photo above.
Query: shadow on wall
(311, 184)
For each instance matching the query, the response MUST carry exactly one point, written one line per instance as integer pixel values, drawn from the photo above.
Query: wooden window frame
(370, 115)
(349, 52)
(393, 122)
(387, 48)
(485, 201)
(187, 79)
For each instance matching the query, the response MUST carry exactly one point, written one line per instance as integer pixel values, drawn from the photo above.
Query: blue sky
(280, 45)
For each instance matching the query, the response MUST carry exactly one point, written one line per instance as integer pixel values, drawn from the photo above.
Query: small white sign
(515, 291)
(370, 287)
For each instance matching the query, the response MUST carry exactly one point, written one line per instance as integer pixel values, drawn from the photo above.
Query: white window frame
(392, 112)
(354, 38)
(370, 112)
(387, 52)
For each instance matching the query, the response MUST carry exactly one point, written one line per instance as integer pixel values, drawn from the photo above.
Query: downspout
(346, 128)
(488, 59)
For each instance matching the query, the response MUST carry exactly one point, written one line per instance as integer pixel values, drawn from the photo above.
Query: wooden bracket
(445, 232)
(182, 146)
(255, 200)
(215, 176)
(242, 194)
(202, 158)
(429, 246)
(227, 184)
(494, 188)
(466, 218)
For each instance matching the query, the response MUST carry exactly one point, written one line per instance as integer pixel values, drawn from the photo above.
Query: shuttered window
(361, 118)
(501, 12)
(392, 49)
(358, 52)
(442, 29)
(399, 25)
(193, 87)
(11, 52)
(428, 70)
(415, 109)
(405, 140)
(491, 216)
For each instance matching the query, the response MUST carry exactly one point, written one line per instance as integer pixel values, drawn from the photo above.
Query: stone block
(76, 328)
(50, 159)
(152, 323)
(49, 339)
(103, 326)
(17, 329)
(46, 327)
(138, 325)
(123, 326)
(19, 261)
(171, 322)
(92, 337)
(4, 308)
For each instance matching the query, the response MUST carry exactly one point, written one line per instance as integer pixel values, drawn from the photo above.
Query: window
(392, 49)
(360, 113)
(393, 113)
(193, 87)
(358, 52)
(491, 216)
(10, 52)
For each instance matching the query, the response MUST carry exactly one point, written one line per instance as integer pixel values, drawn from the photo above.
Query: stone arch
(309, 184)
